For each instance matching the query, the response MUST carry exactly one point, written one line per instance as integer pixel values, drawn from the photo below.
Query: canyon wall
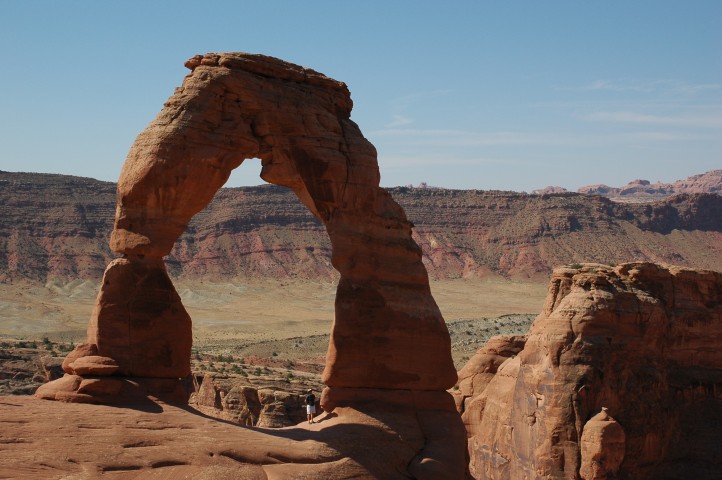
(56, 228)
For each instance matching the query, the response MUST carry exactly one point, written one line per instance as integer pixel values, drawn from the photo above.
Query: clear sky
(511, 95)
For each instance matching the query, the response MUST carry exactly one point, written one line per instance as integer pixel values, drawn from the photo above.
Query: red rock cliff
(639, 341)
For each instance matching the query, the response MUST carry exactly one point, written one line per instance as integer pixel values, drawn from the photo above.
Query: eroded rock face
(640, 339)
(230, 399)
(140, 322)
(479, 371)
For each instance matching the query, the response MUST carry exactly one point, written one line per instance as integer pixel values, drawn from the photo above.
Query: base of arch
(113, 390)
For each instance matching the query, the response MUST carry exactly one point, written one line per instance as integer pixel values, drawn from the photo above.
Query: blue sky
(468, 94)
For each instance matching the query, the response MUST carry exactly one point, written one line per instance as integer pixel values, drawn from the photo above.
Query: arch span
(388, 332)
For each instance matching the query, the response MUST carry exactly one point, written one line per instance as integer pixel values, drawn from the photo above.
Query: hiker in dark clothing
(310, 405)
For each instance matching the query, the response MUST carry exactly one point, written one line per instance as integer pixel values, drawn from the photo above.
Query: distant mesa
(549, 190)
(425, 186)
(645, 191)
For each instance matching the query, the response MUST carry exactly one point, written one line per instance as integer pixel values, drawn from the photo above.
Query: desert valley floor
(262, 315)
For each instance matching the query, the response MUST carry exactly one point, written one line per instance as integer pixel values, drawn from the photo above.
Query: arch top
(270, 67)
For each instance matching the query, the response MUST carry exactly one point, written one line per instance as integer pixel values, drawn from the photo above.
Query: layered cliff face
(619, 377)
(56, 227)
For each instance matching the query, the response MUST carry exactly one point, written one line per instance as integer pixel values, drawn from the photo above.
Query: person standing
(310, 405)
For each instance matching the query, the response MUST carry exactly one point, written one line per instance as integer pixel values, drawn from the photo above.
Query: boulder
(93, 365)
(81, 350)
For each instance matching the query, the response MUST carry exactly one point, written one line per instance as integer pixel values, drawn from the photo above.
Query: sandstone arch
(388, 332)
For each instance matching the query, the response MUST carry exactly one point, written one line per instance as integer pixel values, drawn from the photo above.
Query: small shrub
(575, 266)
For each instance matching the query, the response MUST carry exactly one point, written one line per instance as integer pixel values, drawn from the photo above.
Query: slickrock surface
(54, 229)
(51, 440)
(639, 339)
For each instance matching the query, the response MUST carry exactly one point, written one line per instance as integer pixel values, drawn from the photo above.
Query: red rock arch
(388, 332)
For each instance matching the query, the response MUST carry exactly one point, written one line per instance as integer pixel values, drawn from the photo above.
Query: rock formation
(639, 339)
(389, 344)
(602, 447)
(645, 191)
(231, 399)
(475, 376)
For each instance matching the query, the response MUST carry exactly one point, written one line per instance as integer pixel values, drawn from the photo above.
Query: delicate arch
(388, 332)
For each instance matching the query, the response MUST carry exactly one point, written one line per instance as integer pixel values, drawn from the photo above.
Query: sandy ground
(247, 313)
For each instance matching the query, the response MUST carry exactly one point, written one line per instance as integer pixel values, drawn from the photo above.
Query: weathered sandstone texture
(480, 370)
(638, 342)
(389, 345)
(156, 441)
(229, 398)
